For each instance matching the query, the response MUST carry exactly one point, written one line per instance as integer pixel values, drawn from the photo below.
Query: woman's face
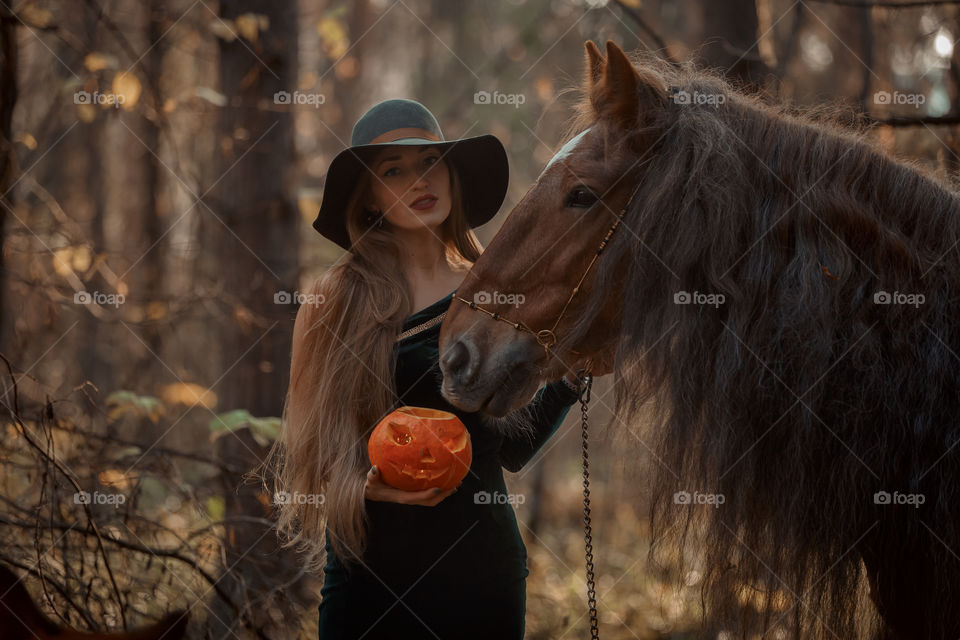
(411, 187)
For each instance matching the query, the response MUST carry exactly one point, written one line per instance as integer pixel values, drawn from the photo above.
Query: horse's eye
(581, 197)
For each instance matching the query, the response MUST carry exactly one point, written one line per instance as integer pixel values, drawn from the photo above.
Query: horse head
(539, 274)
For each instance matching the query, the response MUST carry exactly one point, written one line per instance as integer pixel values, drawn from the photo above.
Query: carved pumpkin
(417, 448)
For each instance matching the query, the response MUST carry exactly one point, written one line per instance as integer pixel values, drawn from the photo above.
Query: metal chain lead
(584, 384)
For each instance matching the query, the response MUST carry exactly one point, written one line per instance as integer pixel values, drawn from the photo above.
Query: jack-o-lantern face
(417, 448)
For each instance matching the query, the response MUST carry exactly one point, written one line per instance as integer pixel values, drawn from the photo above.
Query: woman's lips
(424, 203)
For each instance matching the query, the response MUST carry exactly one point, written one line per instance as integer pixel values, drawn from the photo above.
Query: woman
(401, 564)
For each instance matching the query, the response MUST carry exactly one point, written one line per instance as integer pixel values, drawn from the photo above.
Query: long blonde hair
(342, 380)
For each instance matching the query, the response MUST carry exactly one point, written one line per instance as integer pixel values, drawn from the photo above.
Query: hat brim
(480, 162)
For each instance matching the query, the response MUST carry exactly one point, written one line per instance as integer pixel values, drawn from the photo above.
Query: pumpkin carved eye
(399, 433)
(441, 454)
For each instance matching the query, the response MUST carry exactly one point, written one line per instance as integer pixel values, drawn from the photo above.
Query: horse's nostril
(455, 361)
(455, 357)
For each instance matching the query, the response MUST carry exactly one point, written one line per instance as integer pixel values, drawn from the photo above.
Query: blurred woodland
(160, 165)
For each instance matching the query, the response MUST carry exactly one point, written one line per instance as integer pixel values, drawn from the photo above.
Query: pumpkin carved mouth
(420, 448)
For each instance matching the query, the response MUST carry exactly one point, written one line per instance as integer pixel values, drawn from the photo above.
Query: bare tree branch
(647, 29)
(52, 459)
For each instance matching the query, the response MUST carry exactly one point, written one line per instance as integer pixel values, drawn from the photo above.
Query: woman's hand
(377, 489)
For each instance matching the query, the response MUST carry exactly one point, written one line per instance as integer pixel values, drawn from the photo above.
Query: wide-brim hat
(480, 163)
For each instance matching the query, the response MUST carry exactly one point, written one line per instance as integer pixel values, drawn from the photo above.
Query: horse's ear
(595, 63)
(622, 94)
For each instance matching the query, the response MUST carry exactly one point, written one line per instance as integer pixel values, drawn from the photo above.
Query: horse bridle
(548, 337)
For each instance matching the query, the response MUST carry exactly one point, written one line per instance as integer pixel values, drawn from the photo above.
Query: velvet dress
(456, 570)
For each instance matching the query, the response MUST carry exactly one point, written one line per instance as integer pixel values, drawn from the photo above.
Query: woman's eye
(431, 160)
(392, 171)
(581, 198)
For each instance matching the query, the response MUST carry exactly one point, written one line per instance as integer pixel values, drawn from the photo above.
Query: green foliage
(264, 430)
(121, 403)
(216, 508)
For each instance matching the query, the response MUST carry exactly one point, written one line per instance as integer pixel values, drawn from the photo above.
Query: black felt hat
(480, 163)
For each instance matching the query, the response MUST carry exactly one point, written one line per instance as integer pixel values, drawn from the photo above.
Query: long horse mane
(798, 398)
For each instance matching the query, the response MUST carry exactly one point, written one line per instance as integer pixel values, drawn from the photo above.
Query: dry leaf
(35, 16)
(248, 24)
(28, 141)
(99, 61)
(544, 87)
(116, 478)
(62, 261)
(210, 95)
(157, 310)
(189, 394)
(223, 29)
(334, 36)
(127, 88)
(86, 112)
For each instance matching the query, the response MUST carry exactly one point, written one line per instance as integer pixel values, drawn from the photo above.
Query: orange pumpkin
(416, 448)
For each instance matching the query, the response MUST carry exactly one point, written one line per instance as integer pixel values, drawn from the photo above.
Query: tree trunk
(8, 98)
(730, 41)
(252, 231)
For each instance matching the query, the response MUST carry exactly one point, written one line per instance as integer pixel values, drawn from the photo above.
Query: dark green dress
(455, 570)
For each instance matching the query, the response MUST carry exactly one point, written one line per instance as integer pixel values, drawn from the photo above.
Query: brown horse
(21, 619)
(782, 298)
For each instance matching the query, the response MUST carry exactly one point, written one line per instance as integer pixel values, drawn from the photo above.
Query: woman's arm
(547, 409)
